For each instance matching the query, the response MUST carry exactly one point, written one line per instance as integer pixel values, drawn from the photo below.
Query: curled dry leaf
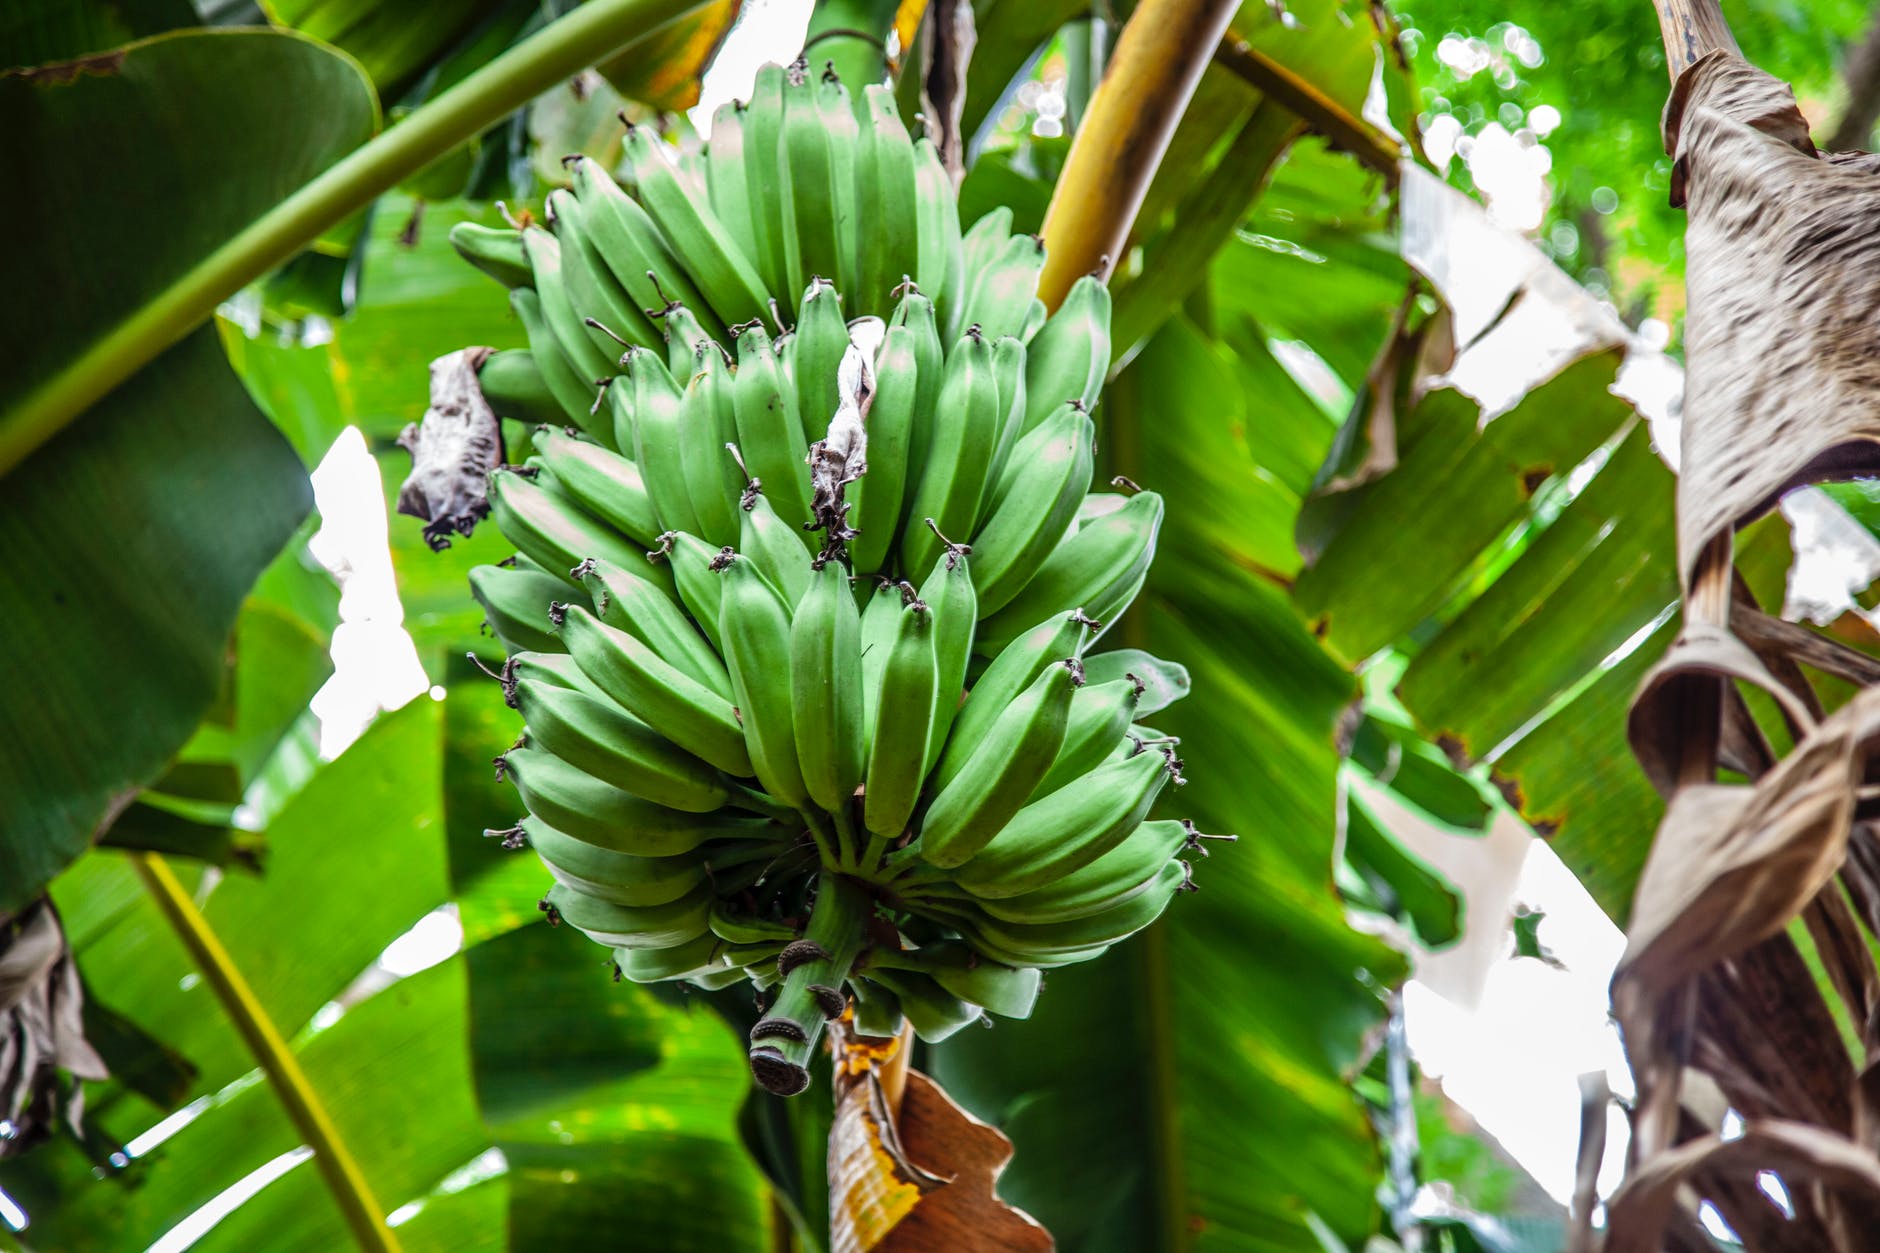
(453, 449)
(42, 1030)
(1782, 337)
(909, 1170)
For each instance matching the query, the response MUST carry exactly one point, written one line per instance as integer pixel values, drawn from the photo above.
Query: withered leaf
(453, 449)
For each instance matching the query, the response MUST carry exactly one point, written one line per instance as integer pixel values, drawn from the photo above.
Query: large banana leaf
(120, 548)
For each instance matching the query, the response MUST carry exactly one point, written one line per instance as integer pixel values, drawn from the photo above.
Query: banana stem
(591, 33)
(754, 801)
(336, 1165)
(853, 36)
(1159, 59)
(848, 841)
(815, 968)
(827, 846)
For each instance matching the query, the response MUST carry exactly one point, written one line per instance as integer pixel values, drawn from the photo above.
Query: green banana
(821, 339)
(770, 432)
(767, 179)
(700, 590)
(655, 409)
(582, 806)
(630, 927)
(558, 308)
(744, 929)
(604, 484)
(1100, 717)
(725, 182)
(940, 265)
(999, 775)
(1100, 569)
(1004, 295)
(877, 1010)
(515, 605)
(579, 398)
(773, 547)
(1008, 991)
(1048, 944)
(805, 147)
(953, 478)
(1008, 367)
(754, 624)
(826, 677)
(880, 619)
(550, 531)
(701, 242)
(685, 711)
(627, 602)
(495, 250)
(935, 1012)
(898, 747)
(980, 248)
(514, 387)
(837, 114)
(604, 740)
(951, 590)
(915, 314)
(608, 313)
(620, 878)
(630, 244)
(1072, 827)
(1032, 506)
(683, 333)
(1069, 358)
(875, 498)
(1132, 867)
(885, 189)
(707, 425)
(1011, 672)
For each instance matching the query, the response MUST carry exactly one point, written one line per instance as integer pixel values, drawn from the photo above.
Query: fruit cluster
(757, 573)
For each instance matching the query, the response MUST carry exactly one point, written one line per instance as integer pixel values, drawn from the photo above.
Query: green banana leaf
(36, 32)
(120, 546)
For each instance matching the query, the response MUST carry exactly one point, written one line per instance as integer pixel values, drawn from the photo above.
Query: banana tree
(544, 1103)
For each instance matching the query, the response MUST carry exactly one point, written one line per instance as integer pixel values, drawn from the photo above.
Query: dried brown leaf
(453, 449)
(42, 1030)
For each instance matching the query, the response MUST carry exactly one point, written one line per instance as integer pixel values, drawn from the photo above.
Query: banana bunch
(800, 624)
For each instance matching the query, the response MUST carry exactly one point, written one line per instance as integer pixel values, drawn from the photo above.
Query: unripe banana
(713, 483)
(754, 624)
(877, 1010)
(980, 248)
(953, 477)
(558, 309)
(826, 673)
(515, 604)
(619, 878)
(607, 312)
(1008, 367)
(603, 483)
(898, 748)
(1068, 829)
(1100, 717)
(1011, 672)
(725, 181)
(940, 268)
(623, 926)
(1132, 867)
(629, 603)
(652, 409)
(1048, 944)
(629, 242)
(1069, 358)
(549, 530)
(1032, 506)
(770, 432)
(578, 397)
(951, 592)
(806, 150)
(880, 619)
(767, 179)
(837, 114)
(875, 498)
(889, 241)
(935, 1012)
(700, 590)
(1001, 772)
(495, 250)
(1003, 299)
(773, 547)
(745, 930)
(582, 806)
(1101, 568)
(704, 247)
(821, 338)
(514, 387)
(1007, 991)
